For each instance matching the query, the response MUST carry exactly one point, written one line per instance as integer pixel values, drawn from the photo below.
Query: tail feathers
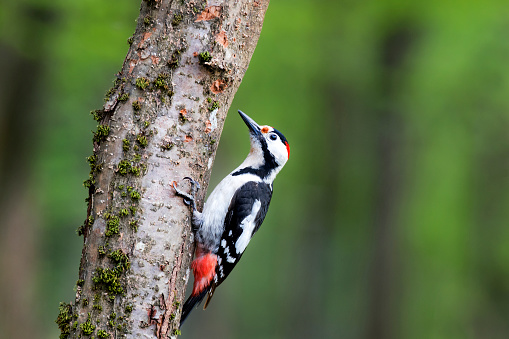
(191, 302)
(204, 269)
(210, 294)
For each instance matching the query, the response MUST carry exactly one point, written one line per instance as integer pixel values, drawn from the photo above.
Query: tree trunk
(161, 122)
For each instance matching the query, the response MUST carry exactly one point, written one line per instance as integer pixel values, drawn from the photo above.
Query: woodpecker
(233, 212)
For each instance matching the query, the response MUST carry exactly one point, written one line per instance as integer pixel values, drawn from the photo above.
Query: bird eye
(273, 137)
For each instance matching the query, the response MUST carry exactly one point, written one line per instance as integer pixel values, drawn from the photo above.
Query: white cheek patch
(247, 226)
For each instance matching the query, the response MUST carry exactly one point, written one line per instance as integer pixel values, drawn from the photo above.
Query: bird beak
(253, 126)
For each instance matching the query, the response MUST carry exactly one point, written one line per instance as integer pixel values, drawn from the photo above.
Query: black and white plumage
(234, 211)
(245, 215)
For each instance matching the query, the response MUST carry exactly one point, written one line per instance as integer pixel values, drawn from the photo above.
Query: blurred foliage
(389, 220)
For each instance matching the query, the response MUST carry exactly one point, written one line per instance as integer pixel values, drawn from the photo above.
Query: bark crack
(169, 305)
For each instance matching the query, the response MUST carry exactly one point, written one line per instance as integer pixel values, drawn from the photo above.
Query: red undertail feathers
(204, 269)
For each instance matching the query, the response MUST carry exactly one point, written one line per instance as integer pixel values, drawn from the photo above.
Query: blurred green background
(389, 221)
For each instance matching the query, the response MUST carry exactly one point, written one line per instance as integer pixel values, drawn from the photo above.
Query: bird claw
(195, 185)
(189, 199)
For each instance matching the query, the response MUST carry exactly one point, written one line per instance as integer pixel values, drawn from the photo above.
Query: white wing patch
(247, 226)
(229, 258)
(219, 261)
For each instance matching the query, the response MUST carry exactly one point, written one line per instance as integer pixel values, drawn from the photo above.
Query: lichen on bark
(161, 122)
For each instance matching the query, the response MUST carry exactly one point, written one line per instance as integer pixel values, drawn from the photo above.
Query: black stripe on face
(269, 163)
(268, 158)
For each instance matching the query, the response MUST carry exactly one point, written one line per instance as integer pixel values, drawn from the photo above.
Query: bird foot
(189, 199)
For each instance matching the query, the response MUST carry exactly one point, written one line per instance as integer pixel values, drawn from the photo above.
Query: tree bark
(161, 122)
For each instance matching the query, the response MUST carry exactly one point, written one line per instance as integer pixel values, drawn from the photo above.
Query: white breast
(216, 207)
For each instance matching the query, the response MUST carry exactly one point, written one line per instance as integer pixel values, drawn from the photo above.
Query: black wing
(243, 214)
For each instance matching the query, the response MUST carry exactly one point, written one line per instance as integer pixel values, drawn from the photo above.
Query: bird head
(267, 144)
